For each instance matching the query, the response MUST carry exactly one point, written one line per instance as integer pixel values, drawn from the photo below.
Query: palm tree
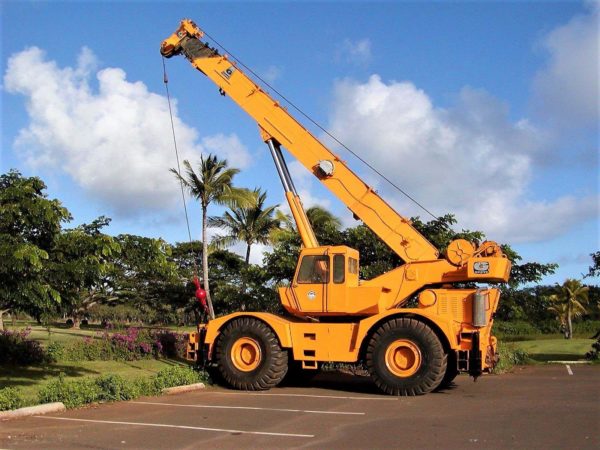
(251, 224)
(320, 219)
(569, 303)
(212, 184)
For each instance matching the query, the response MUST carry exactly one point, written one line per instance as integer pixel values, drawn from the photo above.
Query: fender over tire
(405, 357)
(249, 356)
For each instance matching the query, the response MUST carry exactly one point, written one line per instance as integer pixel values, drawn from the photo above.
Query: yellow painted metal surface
(449, 311)
(305, 230)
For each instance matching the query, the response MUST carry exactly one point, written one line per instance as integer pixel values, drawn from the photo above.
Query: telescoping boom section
(334, 315)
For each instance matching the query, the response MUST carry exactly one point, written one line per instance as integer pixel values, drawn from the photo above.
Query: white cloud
(567, 89)
(114, 141)
(257, 251)
(271, 73)
(228, 147)
(470, 159)
(357, 52)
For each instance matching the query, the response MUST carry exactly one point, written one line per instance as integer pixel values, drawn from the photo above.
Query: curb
(32, 410)
(568, 362)
(182, 389)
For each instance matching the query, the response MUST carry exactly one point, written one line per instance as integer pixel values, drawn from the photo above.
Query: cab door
(335, 301)
(311, 282)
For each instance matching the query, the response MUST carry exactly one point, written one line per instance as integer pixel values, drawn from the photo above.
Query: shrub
(147, 386)
(586, 328)
(56, 351)
(594, 353)
(115, 387)
(177, 376)
(72, 393)
(16, 348)
(510, 356)
(111, 387)
(10, 398)
(129, 345)
(169, 344)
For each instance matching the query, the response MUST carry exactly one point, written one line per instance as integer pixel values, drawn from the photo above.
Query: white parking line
(569, 369)
(307, 395)
(183, 427)
(256, 408)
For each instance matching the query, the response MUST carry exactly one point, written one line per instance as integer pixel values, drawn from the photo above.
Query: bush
(56, 351)
(510, 356)
(72, 393)
(177, 376)
(15, 348)
(169, 344)
(113, 387)
(10, 398)
(586, 328)
(130, 345)
(594, 353)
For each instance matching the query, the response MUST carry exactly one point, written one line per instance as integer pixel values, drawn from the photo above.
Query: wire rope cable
(187, 220)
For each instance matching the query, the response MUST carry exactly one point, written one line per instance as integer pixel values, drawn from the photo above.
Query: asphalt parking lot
(535, 407)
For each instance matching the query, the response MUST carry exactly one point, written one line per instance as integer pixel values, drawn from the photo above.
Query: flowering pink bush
(130, 344)
(16, 348)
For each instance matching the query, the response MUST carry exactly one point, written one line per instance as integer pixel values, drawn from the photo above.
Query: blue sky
(488, 110)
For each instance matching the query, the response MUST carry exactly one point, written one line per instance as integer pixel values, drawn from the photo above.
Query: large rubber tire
(451, 371)
(248, 355)
(405, 357)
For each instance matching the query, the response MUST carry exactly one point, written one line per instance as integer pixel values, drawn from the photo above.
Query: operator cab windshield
(314, 269)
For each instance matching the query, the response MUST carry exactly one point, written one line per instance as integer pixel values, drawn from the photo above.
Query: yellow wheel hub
(246, 354)
(403, 358)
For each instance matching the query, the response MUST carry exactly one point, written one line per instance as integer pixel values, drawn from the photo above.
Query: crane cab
(326, 283)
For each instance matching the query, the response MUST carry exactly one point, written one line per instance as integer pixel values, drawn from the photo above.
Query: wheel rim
(246, 354)
(403, 358)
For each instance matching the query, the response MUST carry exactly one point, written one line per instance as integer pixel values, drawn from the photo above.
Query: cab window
(314, 269)
(352, 265)
(339, 269)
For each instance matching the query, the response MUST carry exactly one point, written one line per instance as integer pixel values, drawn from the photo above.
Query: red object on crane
(200, 294)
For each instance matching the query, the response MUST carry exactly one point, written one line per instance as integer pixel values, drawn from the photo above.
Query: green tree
(440, 233)
(252, 224)
(79, 262)
(594, 270)
(30, 223)
(213, 183)
(143, 275)
(568, 303)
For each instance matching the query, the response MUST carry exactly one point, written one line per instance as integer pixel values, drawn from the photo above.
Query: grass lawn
(29, 379)
(555, 349)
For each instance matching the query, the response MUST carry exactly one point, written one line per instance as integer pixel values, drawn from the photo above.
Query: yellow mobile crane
(333, 315)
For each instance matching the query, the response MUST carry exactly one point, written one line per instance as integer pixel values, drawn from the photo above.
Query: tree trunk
(248, 254)
(2, 312)
(569, 323)
(211, 311)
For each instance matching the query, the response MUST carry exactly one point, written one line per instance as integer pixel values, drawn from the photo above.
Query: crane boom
(277, 124)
